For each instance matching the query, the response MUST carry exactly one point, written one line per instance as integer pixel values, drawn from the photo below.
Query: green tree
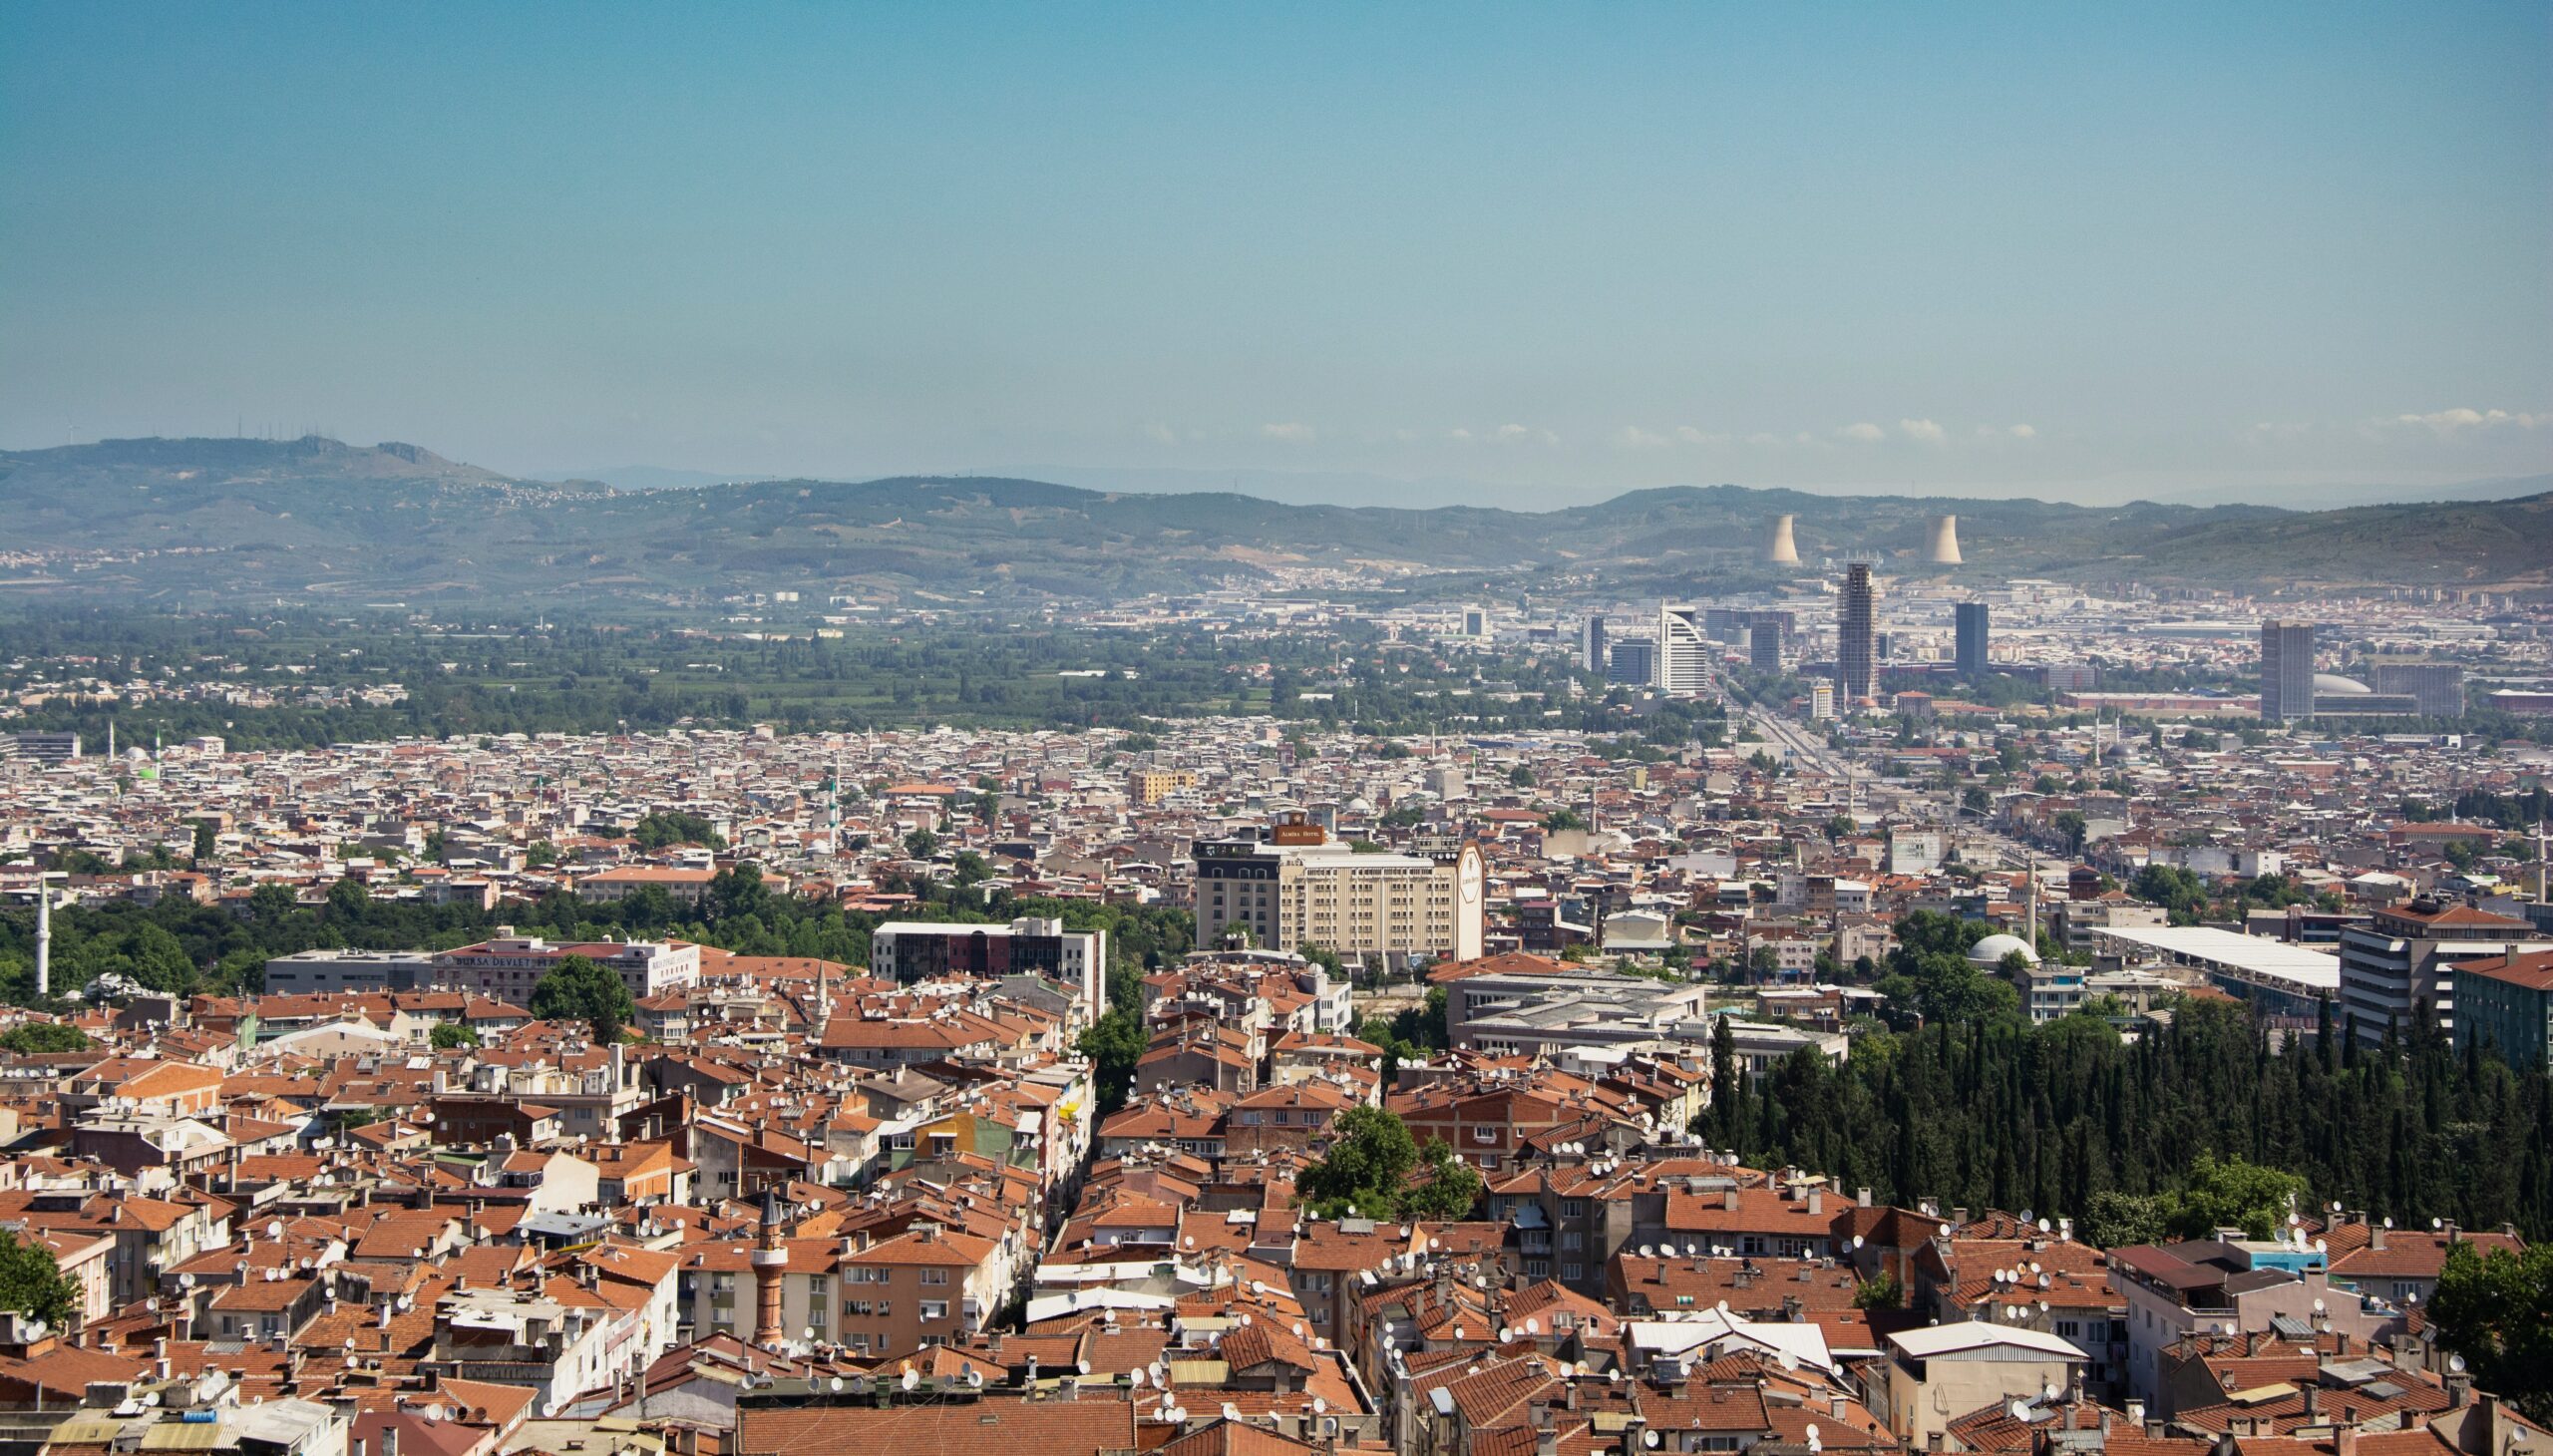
(2115, 1220)
(1366, 1169)
(1882, 1292)
(2497, 1311)
(2073, 826)
(2232, 1194)
(32, 1284)
(579, 989)
(450, 1034)
(348, 899)
(922, 843)
(656, 830)
(44, 1036)
(736, 891)
(271, 902)
(208, 843)
(1448, 1188)
(1520, 777)
(1114, 1043)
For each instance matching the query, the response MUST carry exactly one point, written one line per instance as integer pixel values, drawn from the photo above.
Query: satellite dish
(2318, 1307)
(1081, 1367)
(975, 1379)
(186, 1281)
(835, 1384)
(1857, 1240)
(1137, 1378)
(911, 1378)
(2455, 1364)
(1320, 1406)
(1648, 1439)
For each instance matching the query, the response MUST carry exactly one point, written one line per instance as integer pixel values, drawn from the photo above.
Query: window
(934, 1311)
(1572, 1207)
(933, 1276)
(1484, 1135)
(1573, 1272)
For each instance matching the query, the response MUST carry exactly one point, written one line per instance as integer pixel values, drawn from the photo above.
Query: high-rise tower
(1969, 617)
(1684, 653)
(1595, 644)
(2287, 672)
(1853, 635)
(1764, 645)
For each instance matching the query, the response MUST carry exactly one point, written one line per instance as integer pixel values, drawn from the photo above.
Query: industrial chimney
(1782, 551)
(1941, 545)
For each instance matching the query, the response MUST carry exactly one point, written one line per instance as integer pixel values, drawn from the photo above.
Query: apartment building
(508, 967)
(929, 1285)
(931, 951)
(2402, 963)
(1299, 887)
(1149, 787)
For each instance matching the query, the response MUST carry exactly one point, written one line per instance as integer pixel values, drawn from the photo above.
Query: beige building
(1947, 1370)
(1147, 787)
(1299, 887)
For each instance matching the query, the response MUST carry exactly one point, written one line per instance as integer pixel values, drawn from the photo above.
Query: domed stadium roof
(2332, 684)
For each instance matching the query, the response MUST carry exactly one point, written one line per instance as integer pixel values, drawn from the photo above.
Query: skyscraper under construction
(1853, 634)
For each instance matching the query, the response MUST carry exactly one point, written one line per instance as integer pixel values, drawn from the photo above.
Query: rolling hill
(205, 522)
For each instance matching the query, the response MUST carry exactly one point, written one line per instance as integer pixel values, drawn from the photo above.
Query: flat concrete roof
(2255, 955)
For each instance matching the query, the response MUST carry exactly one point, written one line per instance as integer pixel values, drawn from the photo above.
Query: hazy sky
(2072, 249)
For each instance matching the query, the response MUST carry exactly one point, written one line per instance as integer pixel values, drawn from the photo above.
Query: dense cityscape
(991, 729)
(1877, 1012)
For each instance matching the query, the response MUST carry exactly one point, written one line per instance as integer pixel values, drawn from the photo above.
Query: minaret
(43, 934)
(771, 1264)
(2034, 935)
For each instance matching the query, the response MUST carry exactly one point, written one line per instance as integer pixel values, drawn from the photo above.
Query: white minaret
(43, 934)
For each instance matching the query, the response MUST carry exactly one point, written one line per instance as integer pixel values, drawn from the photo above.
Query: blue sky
(1557, 252)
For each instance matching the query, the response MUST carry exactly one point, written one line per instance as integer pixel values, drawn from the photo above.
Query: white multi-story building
(1299, 887)
(508, 967)
(1684, 653)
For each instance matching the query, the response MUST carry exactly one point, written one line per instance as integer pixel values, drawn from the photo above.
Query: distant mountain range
(230, 522)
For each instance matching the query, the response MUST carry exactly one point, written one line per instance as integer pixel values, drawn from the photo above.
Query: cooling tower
(1782, 551)
(1941, 546)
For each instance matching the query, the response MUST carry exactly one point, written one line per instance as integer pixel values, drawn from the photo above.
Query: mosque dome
(1989, 952)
